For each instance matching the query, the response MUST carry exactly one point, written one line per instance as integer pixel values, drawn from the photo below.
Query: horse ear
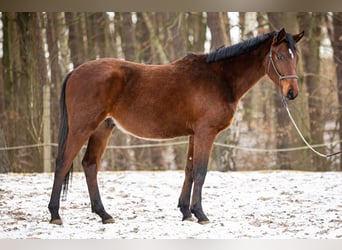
(280, 37)
(298, 36)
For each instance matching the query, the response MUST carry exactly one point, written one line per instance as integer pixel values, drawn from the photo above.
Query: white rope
(22, 147)
(165, 144)
(275, 150)
(301, 135)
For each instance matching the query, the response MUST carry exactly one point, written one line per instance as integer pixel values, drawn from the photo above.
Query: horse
(194, 96)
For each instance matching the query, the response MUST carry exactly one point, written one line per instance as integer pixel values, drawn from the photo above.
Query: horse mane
(245, 47)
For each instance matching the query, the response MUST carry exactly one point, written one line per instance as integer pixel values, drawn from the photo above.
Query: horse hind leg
(91, 162)
(63, 165)
(76, 136)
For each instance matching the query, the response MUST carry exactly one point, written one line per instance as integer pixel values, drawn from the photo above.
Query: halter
(281, 77)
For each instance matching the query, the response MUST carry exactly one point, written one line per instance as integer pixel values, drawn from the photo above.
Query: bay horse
(194, 96)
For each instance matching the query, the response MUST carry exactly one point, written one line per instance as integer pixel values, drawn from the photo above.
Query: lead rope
(301, 135)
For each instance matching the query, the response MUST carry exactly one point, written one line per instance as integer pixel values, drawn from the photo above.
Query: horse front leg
(91, 162)
(184, 199)
(202, 147)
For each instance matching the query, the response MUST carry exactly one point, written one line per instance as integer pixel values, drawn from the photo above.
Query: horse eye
(280, 57)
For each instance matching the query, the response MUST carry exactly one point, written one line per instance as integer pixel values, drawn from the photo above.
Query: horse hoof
(56, 222)
(189, 219)
(203, 222)
(108, 221)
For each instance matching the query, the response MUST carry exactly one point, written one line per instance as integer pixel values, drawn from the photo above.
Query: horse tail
(63, 134)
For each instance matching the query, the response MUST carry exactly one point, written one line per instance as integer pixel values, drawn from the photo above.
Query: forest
(38, 49)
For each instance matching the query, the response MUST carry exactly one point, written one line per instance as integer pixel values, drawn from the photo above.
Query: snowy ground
(144, 205)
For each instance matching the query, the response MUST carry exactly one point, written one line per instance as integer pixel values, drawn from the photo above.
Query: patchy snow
(277, 204)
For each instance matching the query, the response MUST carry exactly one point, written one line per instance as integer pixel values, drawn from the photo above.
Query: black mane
(245, 47)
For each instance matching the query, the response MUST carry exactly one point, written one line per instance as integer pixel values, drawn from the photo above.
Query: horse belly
(151, 130)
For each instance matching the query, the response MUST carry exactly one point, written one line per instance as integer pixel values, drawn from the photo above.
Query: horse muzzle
(289, 88)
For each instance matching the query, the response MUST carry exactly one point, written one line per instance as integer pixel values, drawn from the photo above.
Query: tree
(311, 22)
(76, 40)
(219, 31)
(128, 37)
(175, 42)
(104, 40)
(25, 73)
(152, 24)
(195, 29)
(337, 48)
(143, 38)
(52, 38)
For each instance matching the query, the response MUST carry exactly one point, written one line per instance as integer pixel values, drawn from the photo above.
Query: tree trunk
(219, 36)
(311, 22)
(44, 134)
(76, 40)
(92, 26)
(158, 47)
(8, 23)
(63, 37)
(174, 38)
(143, 40)
(27, 77)
(103, 38)
(128, 37)
(196, 31)
(52, 35)
(337, 47)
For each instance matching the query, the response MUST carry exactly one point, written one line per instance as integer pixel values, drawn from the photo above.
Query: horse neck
(244, 71)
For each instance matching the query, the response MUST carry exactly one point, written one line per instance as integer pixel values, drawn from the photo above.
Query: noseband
(281, 77)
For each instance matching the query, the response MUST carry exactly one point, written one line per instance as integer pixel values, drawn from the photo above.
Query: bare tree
(52, 35)
(219, 30)
(337, 48)
(76, 41)
(128, 37)
(25, 73)
(195, 27)
(312, 22)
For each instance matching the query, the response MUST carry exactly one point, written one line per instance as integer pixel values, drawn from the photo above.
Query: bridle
(280, 76)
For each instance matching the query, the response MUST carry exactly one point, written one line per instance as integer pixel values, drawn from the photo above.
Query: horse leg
(184, 199)
(202, 147)
(63, 166)
(76, 137)
(91, 163)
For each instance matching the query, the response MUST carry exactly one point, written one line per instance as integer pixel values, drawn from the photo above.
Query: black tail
(63, 133)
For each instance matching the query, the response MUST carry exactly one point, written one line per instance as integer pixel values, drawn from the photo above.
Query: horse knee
(87, 164)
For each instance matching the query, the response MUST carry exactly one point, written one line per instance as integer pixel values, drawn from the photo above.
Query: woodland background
(38, 49)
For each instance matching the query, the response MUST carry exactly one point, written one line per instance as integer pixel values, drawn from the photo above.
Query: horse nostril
(291, 95)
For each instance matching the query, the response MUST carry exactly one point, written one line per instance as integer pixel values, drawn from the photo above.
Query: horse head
(282, 62)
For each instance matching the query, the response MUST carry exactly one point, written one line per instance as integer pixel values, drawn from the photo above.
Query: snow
(259, 204)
